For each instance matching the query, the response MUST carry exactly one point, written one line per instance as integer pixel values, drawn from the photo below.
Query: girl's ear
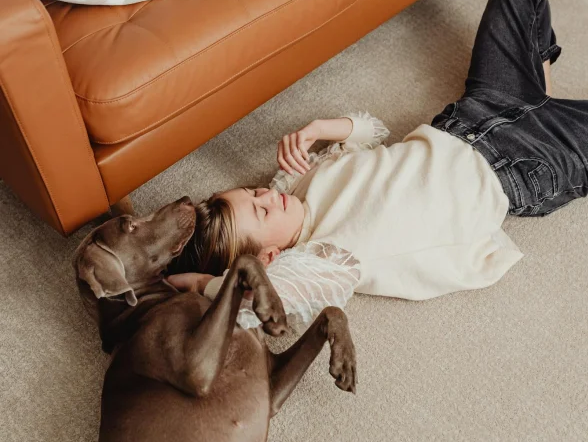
(268, 254)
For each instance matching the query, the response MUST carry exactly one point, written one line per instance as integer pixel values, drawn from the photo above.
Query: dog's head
(126, 255)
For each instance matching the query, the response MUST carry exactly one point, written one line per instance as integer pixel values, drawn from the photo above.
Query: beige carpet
(505, 363)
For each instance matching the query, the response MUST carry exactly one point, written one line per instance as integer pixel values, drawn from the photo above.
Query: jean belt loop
(449, 123)
(501, 163)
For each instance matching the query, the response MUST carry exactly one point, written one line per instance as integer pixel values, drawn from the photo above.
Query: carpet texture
(505, 363)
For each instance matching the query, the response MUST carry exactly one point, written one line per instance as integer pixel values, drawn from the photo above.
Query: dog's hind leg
(289, 367)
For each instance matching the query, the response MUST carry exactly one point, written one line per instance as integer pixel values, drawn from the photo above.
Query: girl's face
(270, 218)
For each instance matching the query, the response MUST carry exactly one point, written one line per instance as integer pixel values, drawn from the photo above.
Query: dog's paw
(343, 363)
(268, 307)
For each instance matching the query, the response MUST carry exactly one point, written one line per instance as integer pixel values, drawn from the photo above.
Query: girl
(423, 217)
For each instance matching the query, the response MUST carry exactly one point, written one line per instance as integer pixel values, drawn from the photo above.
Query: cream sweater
(422, 216)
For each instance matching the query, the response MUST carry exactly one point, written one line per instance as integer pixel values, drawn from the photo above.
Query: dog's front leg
(289, 367)
(206, 348)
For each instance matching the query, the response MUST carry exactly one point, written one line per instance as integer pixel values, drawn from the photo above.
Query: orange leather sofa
(97, 100)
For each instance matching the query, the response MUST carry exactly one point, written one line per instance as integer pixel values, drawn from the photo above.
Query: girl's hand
(293, 148)
(190, 282)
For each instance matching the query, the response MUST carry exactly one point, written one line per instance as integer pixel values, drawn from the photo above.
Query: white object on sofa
(103, 2)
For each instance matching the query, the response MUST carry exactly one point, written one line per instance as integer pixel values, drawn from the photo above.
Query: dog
(182, 369)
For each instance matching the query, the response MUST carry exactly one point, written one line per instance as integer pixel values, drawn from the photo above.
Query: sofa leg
(123, 207)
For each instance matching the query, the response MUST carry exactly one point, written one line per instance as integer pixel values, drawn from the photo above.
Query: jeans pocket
(537, 180)
(544, 182)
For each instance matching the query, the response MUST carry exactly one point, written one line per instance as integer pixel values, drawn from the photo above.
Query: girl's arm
(190, 282)
(337, 129)
(355, 132)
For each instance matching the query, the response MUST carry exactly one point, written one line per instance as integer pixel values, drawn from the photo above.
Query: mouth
(284, 200)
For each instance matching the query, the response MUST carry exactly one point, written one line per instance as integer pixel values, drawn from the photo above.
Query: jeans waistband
(495, 159)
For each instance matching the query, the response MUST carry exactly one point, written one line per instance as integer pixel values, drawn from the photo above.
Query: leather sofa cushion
(135, 67)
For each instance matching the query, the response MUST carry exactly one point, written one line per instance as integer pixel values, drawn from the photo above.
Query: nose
(267, 196)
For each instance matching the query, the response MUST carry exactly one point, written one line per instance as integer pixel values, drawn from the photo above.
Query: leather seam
(222, 85)
(203, 51)
(102, 29)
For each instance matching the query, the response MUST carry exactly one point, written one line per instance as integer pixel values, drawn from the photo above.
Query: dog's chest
(246, 355)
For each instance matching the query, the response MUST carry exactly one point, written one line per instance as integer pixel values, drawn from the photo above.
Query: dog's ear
(104, 272)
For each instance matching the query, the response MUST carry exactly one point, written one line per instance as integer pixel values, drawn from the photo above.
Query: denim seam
(546, 54)
(542, 200)
(514, 181)
(531, 31)
(451, 120)
(537, 207)
(454, 110)
(494, 151)
(553, 171)
(526, 110)
(540, 37)
(535, 182)
(518, 195)
(560, 206)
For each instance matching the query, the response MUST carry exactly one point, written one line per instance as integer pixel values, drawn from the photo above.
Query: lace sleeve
(308, 278)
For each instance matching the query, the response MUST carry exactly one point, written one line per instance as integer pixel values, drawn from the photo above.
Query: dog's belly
(135, 408)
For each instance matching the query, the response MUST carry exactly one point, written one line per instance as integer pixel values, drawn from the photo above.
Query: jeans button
(471, 137)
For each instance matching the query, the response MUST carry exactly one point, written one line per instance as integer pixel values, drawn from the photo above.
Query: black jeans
(537, 145)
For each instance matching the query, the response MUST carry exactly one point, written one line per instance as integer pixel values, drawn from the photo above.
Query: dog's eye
(153, 258)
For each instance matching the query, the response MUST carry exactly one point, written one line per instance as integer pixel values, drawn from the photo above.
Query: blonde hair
(216, 240)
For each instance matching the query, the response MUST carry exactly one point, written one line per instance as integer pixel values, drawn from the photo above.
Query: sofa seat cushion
(135, 67)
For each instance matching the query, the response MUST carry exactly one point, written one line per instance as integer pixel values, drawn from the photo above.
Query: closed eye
(264, 209)
(253, 192)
